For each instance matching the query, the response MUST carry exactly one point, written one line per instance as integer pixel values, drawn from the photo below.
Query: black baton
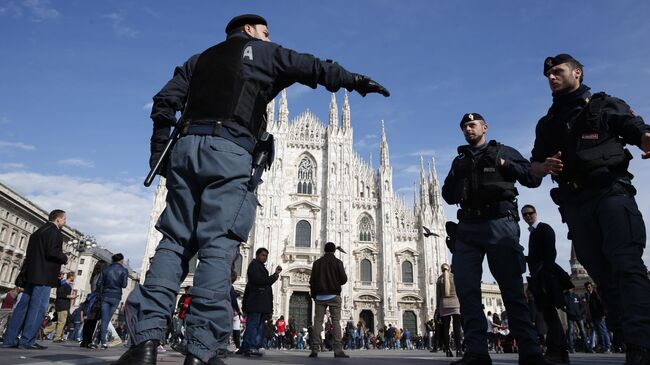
(168, 147)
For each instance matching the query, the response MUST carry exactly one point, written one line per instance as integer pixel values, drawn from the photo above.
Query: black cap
(241, 20)
(551, 62)
(330, 247)
(470, 117)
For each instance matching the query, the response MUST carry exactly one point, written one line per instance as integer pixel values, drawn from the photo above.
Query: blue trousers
(254, 331)
(609, 238)
(571, 331)
(108, 308)
(210, 211)
(28, 315)
(498, 239)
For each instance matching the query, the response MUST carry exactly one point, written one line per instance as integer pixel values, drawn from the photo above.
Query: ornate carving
(300, 277)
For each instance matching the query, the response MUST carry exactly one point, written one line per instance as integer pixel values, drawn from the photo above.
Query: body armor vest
(592, 152)
(481, 181)
(219, 92)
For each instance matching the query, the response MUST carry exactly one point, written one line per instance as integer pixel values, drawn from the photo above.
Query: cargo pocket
(636, 225)
(244, 218)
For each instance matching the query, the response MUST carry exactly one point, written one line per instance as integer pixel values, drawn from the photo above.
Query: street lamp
(84, 242)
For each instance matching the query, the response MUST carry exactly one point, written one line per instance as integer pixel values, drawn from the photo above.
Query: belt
(216, 128)
(476, 214)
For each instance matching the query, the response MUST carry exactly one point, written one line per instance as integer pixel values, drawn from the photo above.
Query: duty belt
(482, 213)
(218, 128)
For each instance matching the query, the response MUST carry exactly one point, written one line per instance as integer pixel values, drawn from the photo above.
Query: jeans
(581, 327)
(108, 308)
(599, 327)
(76, 333)
(254, 331)
(28, 315)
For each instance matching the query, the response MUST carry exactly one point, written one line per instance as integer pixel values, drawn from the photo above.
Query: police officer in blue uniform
(211, 196)
(581, 142)
(482, 181)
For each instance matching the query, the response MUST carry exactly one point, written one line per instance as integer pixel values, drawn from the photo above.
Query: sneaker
(161, 349)
(116, 342)
(104, 346)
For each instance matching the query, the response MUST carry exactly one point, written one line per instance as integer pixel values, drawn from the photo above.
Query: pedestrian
(64, 295)
(482, 180)
(236, 320)
(449, 308)
(327, 277)
(77, 318)
(9, 301)
(211, 209)
(575, 318)
(92, 306)
(581, 142)
(43, 259)
(257, 302)
(547, 283)
(280, 331)
(115, 277)
(597, 315)
(429, 326)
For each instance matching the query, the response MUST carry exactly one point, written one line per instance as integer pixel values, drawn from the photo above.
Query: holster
(452, 229)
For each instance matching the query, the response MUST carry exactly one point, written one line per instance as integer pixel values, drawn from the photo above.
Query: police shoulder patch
(248, 53)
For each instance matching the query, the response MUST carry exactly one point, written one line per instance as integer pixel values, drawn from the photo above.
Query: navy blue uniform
(598, 205)
(210, 207)
(493, 232)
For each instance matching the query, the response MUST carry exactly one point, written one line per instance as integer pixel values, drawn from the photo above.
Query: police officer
(580, 143)
(210, 201)
(482, 180)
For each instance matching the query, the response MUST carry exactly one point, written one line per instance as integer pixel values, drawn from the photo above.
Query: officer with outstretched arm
(210, 200)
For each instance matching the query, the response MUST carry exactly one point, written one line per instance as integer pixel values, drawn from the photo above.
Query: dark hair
(260, 250)
(117, 257)
(99, 266)
(330, 247)
(56, 213)
(529, 206)
(588, 283)
(577, 65)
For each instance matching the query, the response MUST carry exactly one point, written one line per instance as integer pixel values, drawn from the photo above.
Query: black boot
(637, 355)
(537, 359)
(449, 353)
(142, 354)
(473, 359)
(193, 360)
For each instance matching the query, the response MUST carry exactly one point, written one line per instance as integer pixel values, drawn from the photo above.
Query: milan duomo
(318, 190)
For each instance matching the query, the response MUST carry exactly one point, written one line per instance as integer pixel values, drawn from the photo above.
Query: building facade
(318, 190)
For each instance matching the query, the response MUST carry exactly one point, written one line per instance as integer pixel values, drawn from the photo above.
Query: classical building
(491, 298)
(318, 190)
(19, 218)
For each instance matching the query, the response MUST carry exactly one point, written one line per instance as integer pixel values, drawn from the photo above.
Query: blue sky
(78, 76)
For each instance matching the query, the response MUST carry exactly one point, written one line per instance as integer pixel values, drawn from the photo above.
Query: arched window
(407, 272)
(366, 229)
(366, 270)
(306, 174)
(303, 234)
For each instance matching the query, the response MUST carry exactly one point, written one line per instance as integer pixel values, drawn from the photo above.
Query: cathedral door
(368, 319)
(300, 310)
(410, 321)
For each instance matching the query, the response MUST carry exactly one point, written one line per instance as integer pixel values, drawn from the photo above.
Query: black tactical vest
(593, 152)
(218, 90)
(481, 180)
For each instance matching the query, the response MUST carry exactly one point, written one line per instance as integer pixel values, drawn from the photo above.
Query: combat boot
(473, 359)
(637, 355)
(537, 359)
(145, 353)
(193, 360)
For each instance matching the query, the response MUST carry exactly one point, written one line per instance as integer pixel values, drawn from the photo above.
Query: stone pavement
(71, 354)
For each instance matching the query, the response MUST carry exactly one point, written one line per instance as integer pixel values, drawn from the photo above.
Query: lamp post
(84, 242)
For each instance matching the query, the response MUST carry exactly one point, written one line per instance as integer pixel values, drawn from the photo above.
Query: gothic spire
(424, 189)
(345, 113)
(334, 113)
(270, 113)
(384, 159)
(283, 114)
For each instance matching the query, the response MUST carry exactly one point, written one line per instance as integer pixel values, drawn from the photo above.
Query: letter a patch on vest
(590, 136)
(248, 52)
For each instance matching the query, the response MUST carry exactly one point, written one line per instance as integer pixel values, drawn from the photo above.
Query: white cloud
(412, 169)
(115, 213)
(297, 90)
(11, 9)
(76, 162)
(41, 10)
(119, 25)
(19, 145)
(12, 166)
(148, 106)
(368, 141)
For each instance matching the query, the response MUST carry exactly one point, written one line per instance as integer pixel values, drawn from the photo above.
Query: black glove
(156, 151)
(365, 85)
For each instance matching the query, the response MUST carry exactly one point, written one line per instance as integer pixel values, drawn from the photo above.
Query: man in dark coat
(257, 302)
(547, 282)
(41, 268)
(597, 313)
(327, 277)
(575, 317)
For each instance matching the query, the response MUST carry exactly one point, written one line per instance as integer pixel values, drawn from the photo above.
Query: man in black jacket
(327, 277)
(581, 142)
(257, 302)
(64, 295)
(546, 282)
(597, 314)
(211, 198)
(41, 267)
(575, 316)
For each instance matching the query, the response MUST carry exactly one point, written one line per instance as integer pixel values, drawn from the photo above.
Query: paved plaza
(69, 354)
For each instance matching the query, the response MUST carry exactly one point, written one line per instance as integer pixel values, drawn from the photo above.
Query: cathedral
(318, 190)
